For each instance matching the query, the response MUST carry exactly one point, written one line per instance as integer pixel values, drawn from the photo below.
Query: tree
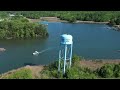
(106, 71)
(117, 70)
(117, 21)
(21, 28)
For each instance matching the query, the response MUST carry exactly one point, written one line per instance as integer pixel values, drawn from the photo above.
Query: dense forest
(21, 28)
(113, 17)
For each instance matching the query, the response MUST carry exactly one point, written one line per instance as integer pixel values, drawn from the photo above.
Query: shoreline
(91, 63)
(55, 19)
(78, 21)
(35, 70)
(117, 27)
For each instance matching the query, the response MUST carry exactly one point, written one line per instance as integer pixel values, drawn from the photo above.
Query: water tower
(65, 52)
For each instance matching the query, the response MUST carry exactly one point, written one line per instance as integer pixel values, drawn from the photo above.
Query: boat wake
(36, 53)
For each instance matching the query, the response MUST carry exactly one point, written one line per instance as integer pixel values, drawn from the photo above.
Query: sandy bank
(78, 21)
(49, 19)
(55, 19)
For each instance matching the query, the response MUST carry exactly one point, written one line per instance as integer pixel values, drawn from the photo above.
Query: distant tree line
(98, 16)
(19, 27)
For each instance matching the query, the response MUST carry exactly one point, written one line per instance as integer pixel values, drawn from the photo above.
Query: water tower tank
(66, 39)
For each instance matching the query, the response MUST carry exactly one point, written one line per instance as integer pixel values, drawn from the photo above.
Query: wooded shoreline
(55, 19)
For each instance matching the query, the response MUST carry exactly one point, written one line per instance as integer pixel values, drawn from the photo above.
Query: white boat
(36, 53)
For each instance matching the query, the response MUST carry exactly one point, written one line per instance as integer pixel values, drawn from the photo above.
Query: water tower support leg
(71, 54)
(65, 58)
(59, 60)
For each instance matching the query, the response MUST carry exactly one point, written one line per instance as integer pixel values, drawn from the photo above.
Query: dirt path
(35, 70)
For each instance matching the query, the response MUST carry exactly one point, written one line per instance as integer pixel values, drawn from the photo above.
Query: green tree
(106, 71)
(117, 70)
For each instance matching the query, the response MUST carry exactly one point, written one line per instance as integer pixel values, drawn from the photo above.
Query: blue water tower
(65, 52)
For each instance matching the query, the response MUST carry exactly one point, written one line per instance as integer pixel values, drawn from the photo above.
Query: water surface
(92, 41)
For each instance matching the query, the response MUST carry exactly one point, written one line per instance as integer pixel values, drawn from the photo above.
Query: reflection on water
(31, 64)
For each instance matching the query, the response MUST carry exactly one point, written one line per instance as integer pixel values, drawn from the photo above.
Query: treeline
(98, 16)
(21, 28)
(3, 14)
(115, 21)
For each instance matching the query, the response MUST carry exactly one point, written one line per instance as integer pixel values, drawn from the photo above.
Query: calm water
(90, 41)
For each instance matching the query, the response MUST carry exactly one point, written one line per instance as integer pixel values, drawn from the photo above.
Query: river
(92, 41)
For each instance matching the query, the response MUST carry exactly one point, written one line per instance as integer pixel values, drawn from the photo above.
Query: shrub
(117, 70)
(20, 74)
(53, 65)
(45, 74)
(106, 71)
(72, 73)
(75, 60)
(60, 75)
(80, 73)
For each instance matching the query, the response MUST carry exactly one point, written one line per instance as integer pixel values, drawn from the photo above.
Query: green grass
(19, 74)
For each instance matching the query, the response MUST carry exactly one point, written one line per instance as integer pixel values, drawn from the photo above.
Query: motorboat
(36, 53)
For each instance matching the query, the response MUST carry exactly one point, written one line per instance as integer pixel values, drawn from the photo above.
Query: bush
(50, 74)
(80, 73)
(53, 65)
(75, 72)
(106, 71)
(117, 70)
(75, 60)
(45, 74)
(112, 22)
(20, 74)
(72, 73)
(60, 75)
